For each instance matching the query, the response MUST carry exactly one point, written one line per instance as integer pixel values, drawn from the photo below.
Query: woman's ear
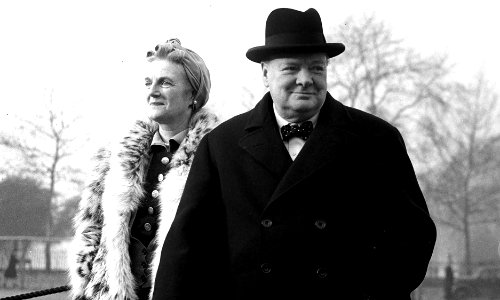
(193, 103)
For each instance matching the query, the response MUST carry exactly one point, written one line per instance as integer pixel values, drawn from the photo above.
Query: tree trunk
(48, 260)
(467, 254)
(25, 246)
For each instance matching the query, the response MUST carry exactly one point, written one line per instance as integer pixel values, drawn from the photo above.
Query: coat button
(147, 226)
(320, 224)
(160, 177)
(151, 210)
(266, 223)
(155, 194)
(322, 273)
(266, 268)
(165, 160)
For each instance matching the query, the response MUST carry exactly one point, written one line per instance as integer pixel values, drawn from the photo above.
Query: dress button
(151, 210)
(165, 160)
(266, 268)
(266, 223)
(320, 224)
(155, 194)
(322, 273)
(147, 226)
(160, 177)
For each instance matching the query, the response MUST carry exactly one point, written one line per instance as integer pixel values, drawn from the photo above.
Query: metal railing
(40, 293)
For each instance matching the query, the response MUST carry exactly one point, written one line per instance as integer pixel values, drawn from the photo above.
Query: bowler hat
(291, 31)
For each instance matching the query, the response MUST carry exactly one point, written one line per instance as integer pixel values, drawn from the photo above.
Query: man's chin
(306, 107)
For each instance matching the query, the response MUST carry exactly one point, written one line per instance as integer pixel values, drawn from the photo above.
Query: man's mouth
(303, 93)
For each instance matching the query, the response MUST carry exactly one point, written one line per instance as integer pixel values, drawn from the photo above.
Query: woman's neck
(167, 132)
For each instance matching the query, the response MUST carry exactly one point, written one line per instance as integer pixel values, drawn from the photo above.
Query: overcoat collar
(325, 144)
(263, 140)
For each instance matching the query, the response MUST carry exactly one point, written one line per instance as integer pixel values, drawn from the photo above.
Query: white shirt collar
(179, 137)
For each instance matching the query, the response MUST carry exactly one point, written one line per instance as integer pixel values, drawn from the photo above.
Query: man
(328, 207)
(132, 197)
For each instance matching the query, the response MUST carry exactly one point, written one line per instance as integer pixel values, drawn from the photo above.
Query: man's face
(297, 84)
(169, 93)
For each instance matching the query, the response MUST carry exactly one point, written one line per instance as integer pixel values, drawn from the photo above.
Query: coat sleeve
(409, 235)
(193, 259)
(87, 224)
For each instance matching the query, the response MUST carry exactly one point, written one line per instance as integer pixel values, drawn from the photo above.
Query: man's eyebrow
(319, 61)
(290, 62)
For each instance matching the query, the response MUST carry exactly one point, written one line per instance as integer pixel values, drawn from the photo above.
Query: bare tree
(460, 146)
(379, 75)
(42, 143)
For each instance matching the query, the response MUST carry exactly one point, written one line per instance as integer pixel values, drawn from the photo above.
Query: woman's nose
(154, 93)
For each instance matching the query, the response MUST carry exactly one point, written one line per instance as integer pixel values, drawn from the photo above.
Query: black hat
(293, 31)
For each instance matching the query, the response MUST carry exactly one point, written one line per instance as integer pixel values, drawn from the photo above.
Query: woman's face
(169, 93)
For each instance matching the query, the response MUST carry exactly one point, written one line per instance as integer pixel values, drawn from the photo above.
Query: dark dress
(11, 272)
(145, 223)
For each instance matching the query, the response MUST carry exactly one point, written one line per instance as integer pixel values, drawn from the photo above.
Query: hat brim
(262, 53)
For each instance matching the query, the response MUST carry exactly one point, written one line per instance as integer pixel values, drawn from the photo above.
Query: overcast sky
(89, 52)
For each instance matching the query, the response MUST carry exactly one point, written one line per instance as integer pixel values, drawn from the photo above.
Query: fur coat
(99, 258)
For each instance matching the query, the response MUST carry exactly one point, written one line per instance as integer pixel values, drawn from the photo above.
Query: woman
(11, 271)
(129, 204)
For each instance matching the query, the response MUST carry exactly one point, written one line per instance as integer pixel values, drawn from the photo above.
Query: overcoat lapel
(263, 141)
(326, 144)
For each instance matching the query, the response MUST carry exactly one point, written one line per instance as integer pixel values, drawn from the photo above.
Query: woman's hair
(194, 66)
(167, 51)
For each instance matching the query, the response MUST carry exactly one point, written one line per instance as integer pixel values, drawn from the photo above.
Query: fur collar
(128, 164)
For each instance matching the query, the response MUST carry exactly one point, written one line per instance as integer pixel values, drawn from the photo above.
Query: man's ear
(265, 73)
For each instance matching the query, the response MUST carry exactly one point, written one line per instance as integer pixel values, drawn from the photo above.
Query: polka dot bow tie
(297, 130)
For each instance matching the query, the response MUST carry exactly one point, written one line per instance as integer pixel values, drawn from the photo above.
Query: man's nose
(304, 77)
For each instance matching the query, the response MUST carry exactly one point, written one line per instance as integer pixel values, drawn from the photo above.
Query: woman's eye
(166, 83)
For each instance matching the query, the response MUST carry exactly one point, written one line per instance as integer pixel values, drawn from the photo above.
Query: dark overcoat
(345, 220)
